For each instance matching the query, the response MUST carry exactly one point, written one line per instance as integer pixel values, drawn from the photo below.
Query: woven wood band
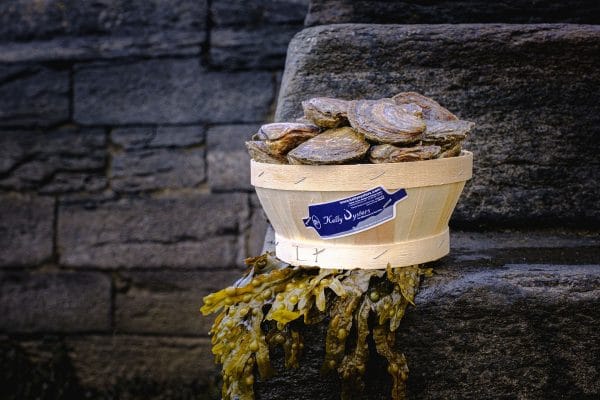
(402, 254)
(355, 177)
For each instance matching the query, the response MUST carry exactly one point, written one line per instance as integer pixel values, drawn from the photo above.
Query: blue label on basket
(353, 214)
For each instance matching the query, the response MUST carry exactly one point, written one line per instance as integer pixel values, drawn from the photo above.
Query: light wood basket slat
(418, 234)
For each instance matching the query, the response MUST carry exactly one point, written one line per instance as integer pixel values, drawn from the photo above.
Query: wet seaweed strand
(273, 293)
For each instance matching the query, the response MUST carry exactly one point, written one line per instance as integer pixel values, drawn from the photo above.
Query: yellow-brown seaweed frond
(265, 307)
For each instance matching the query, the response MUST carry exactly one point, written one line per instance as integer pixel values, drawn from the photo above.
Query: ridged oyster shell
(383, 121)
(326, 112)
(413, 109)
(334, 146)
(453, 151)
(431, 108)
(277, 130)
(259, 151)
(387, 153)
(446, 133)
(281, 137)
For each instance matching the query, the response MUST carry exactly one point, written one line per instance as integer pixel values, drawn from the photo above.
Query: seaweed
(258, 313)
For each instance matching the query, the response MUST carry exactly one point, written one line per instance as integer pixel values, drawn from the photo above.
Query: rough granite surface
(530, 89)
(501, 318)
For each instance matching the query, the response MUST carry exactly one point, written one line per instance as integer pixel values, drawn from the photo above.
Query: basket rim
(351, 177)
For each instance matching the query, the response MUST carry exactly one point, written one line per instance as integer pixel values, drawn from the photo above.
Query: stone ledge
(470, 249)
(483, 328)
(513, 81)
(526, 331)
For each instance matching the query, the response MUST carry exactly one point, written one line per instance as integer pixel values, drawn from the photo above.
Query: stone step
(531, 89)
(507, 315)
(323, 12)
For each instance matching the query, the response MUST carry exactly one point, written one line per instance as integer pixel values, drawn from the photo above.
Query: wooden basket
(418, 233)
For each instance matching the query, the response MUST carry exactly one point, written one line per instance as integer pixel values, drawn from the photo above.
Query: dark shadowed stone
(36, 369)
(152, 158)
(262, 47)
(54, 302)
(51, 367)
(71, 29)
(168, 91)
(258, 12)
(228, 160)
(322, 12)
(167, 302)
(529, 88)
(198, 230)
(106, 363)
(33, 95)
(26, 229)
(503, 316)
(68, 159)
(520, 331)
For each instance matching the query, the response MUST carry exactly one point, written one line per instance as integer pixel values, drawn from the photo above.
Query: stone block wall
(124, 186)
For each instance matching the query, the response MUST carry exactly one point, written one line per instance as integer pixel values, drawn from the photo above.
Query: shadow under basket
(422, 196)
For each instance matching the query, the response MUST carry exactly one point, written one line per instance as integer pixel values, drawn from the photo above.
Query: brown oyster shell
(259, 151)
(278, 130)
(431, 108)
(446, 133)
(453, 151)
(326, 112)
(413, 109)
(281, 137)
(382, 121)
(334, 146)
(387, 153)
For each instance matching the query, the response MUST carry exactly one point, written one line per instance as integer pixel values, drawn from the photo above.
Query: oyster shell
(278, 130)
(413, 109)
(453, 151)
(387, 153)
(259, 151)
(334, 146)
(326, 112)
(446, 133)
(281, 137)
(385, 122)
(431, 108)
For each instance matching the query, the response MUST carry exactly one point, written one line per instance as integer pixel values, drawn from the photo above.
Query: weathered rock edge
(522, 330)
(530, 89)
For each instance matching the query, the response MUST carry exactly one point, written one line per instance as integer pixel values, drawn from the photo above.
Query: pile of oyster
(407, 127)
